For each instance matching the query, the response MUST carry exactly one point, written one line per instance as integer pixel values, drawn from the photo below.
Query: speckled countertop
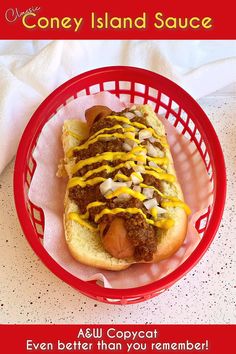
(30, 293)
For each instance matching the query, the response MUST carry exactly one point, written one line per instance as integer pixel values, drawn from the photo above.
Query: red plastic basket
(139, 86)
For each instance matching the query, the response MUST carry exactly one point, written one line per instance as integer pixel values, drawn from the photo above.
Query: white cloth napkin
(30, 70)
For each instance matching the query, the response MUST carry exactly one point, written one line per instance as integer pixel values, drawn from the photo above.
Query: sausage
(114, 239)
(96, 112)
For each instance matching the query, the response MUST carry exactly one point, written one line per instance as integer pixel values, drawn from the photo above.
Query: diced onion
(152, 139)
(144, 134)
(139, 168)
(148, 192)
(152, 164)
(142, 153)
(127, 147)
(127, 165)
(160, 152)
(161, 210)
(150, 203)
(138, 113)
(136, 177)
(140, 163)
(129, 115)
(106, 186)
(154, 151)
(137, 189)
(123, 196)
(131, 143)
(110, 185)
(126, 125)
(116, 185)
(151, 150)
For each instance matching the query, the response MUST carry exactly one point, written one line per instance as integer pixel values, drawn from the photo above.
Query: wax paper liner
(47, 192)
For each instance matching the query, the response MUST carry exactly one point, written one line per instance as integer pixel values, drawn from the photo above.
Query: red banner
(210, 339)
(103, 19)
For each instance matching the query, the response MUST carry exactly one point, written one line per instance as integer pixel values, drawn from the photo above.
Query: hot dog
(96, 112)
(114, 239)
(123, 202)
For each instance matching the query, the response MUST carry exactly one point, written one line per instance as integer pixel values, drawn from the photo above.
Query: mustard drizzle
(84, 146)
(125, 190)
(99, 134)
(108, 156)
(83, 182)
(115, 127)
(164, 223)
(76, 217)
(111, 156)
(125, 120)
(77, 181)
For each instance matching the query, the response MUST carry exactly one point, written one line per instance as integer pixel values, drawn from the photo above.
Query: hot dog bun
(86, 245)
